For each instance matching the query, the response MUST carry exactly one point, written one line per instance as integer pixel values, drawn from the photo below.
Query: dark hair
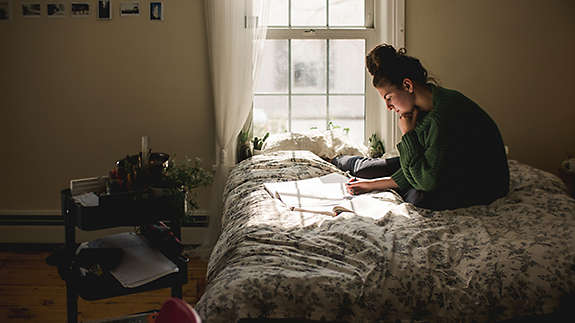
(387, 65)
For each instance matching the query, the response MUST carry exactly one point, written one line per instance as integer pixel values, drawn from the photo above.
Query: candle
(145, 150)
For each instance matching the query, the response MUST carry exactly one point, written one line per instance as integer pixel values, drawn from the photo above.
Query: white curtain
(235, 32)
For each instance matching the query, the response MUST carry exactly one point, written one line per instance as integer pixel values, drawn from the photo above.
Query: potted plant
(258, 143)
(244, 148)
(185, 176)
(376, 148)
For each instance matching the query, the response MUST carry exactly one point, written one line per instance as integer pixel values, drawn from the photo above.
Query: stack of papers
(87, 199)
(140, 263)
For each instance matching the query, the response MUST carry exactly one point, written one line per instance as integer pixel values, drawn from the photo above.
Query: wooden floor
(32, 291)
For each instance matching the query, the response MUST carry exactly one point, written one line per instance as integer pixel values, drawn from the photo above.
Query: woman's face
(399, 100)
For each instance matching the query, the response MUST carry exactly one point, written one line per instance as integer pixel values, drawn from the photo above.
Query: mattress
(512, 258)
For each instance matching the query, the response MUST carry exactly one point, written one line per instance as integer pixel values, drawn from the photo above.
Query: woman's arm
(421, 162)
(356, 186)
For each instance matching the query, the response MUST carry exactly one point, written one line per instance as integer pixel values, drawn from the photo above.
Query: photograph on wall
(56, 9)
(80, 9)
(156, 10)
(130, 8)
(4, 10)
(104, 9)
(31, 9)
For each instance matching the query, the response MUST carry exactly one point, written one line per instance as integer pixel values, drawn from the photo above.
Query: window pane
(347, 66)
(308, 66)
(346, 106)
(308, 13)
(356, 128)
(270, 114)
(349, 112)
(278, 14)
(308, 112)
(273, 72)
(347, 13)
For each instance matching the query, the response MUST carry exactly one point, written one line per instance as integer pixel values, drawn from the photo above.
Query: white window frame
(385, 21)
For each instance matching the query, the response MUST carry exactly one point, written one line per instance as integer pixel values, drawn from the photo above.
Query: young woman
(451, 152)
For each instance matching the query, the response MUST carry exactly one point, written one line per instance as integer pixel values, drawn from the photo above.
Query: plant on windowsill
(376, 148)
(332, 126)
(244, 149)
(259, 143)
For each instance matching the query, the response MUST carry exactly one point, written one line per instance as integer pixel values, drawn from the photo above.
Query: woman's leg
(367, 167)
(434, 200)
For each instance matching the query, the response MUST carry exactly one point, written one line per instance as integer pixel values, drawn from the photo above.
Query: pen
(354, 179)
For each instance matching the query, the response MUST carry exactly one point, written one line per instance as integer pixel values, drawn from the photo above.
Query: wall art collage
(100, 9)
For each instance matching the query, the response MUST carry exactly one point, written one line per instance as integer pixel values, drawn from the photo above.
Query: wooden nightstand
(120, 211)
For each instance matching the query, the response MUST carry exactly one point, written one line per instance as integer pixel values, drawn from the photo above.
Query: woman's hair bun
(381, 55)
(386, 64)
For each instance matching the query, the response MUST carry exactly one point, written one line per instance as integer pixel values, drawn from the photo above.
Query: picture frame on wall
(80, 9)
(105, 9)
(56, 9)
(156, 11)
(31, 9)
(5, 10)
(129, 8)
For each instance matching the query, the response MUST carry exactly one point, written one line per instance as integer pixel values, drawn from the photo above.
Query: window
(312, 74)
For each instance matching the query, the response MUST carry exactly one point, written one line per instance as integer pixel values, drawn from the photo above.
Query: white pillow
(326, 144)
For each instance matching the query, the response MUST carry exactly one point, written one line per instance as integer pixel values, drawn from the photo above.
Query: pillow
(326, 144)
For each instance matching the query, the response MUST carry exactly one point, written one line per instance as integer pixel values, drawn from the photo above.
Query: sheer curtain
(235, 32)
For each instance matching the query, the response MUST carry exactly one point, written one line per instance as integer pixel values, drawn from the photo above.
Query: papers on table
(140, 263)
(87, 199)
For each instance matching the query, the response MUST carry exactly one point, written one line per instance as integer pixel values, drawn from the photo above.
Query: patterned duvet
(513, 258)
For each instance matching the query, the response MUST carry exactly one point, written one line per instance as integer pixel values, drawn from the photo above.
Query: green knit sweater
(455, 151)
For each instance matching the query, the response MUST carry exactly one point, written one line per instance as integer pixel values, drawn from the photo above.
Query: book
(324, 195)
(323, 190)
(363, 205)
(140, 262)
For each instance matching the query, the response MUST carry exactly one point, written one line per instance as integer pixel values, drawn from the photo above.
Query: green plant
(186, 176)
(376, 147)
(259, 142)
(332, 126)
(243, 149)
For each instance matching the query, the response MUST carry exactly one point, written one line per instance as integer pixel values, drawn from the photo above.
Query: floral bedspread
(513, 258)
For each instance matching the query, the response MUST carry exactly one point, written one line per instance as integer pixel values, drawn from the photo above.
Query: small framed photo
(5, 10)
(31, 9)
(156, 11)
(80, 9)
(105, 9)
(56, 9)
(130, 8)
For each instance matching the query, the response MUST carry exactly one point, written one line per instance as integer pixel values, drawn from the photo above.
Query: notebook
(323, 190)
(324, 195)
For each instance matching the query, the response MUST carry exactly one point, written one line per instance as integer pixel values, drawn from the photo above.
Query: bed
(512, 259)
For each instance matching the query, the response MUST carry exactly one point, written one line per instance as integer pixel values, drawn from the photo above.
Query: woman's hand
(407, 121)
(355, 186)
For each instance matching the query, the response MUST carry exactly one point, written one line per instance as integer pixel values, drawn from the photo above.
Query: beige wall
(515, 58)
(77, 94)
